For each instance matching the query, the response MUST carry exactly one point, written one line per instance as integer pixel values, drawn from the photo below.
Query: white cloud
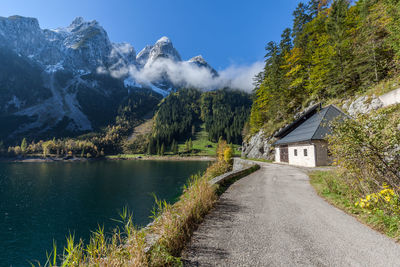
(241, 77)
(187, 74)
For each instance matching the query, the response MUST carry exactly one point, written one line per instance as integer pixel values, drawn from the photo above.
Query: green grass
(204, 147)
(331, 187)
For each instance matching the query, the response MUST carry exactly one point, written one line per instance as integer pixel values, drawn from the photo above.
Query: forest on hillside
(334, 49)
(179, 116)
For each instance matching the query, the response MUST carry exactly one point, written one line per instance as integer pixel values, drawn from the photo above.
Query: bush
(367, 149)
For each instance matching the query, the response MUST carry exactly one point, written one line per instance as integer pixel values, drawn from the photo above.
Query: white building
(302, 142)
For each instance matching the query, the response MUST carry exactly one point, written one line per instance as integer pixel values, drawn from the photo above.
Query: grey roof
(304, 116)
(314, 128)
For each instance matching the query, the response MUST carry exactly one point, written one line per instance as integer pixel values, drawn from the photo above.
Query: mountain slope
(70, 80)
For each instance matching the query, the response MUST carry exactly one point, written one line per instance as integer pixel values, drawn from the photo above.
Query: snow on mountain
(74, 62)
(201, 62)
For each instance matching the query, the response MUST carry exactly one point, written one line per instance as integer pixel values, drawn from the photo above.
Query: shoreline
(32, 159)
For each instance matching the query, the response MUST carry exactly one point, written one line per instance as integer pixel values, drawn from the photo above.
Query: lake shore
(30, 159)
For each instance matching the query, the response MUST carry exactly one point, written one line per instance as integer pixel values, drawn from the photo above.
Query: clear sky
(225, 32)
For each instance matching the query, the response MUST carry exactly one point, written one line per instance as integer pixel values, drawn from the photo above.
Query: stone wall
(391, 98)
(241, 167)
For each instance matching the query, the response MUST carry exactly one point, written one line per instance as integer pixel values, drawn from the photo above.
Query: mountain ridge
(68, 68)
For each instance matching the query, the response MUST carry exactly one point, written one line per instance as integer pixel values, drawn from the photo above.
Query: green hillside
(202, 118)
(333, 51)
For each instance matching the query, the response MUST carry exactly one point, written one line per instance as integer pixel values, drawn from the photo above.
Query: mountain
(70, 80)
(199, 61)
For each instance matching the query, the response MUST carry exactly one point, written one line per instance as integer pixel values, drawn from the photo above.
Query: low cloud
(190, 75)
(241, 77)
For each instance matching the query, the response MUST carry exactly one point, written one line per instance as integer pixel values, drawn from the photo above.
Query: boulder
(363, 105)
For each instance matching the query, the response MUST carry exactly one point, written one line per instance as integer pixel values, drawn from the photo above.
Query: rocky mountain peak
(77, 21)
(23, 34)
(201, 62)
(79, 24)
(164, 41)
(163, 48)
(143, 55)
(80, 50)
(198, 59)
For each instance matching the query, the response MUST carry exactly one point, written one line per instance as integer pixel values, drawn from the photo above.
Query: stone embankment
(273, 217)
(240, 169)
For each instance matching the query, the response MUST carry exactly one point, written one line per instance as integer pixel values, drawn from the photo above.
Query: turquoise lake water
(42, 202)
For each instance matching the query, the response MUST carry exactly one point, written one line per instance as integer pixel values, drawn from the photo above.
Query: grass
(201, 147)
(204, 147)
(173, 224)
(329, 185)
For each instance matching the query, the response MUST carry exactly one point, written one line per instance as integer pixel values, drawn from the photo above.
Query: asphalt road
(273, 217)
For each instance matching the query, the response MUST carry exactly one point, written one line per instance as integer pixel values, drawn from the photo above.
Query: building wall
(277, 155)
(321, 152)
(301, 160)
(393, 97)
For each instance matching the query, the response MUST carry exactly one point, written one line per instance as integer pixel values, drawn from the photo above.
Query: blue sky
(225, 32)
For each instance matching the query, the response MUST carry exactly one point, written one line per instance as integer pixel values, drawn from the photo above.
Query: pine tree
(158, 147)
(150, 147)
(300, 19)
(187, 146)
(190, 145)
(162, 150)
(174, 147)
(24, 146)
(2, 148)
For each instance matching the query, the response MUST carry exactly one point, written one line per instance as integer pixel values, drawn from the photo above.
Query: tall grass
(173, 225)
(125, 247)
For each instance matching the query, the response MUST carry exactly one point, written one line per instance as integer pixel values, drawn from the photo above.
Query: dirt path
(273, 217)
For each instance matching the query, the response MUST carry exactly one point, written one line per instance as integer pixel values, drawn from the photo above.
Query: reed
(173, 224)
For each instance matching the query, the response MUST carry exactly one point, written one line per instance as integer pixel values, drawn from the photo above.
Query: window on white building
(305, 152)
(295, 152)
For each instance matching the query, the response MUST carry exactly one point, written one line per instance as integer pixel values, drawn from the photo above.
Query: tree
(162, 150)
(190, 145)
(301, 17)
(373, 56)
(314, 7)
(24, 146)
(187, 146)
(151, 148)
(158, 147)
(393, 10)
(2, 148)
(174, 147)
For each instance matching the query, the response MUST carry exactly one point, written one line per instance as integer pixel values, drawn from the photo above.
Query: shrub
(367, 149)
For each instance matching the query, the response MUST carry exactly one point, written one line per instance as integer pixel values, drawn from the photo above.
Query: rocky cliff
(72, 79)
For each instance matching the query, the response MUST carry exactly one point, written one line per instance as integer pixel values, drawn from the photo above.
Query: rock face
(71, 78)
(200, 62)
(258, 147)
(363, 105)
(164, 49)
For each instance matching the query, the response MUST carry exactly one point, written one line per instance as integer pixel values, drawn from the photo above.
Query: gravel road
(273, 217)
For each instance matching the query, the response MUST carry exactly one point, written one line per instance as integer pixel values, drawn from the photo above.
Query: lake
(42, 202)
